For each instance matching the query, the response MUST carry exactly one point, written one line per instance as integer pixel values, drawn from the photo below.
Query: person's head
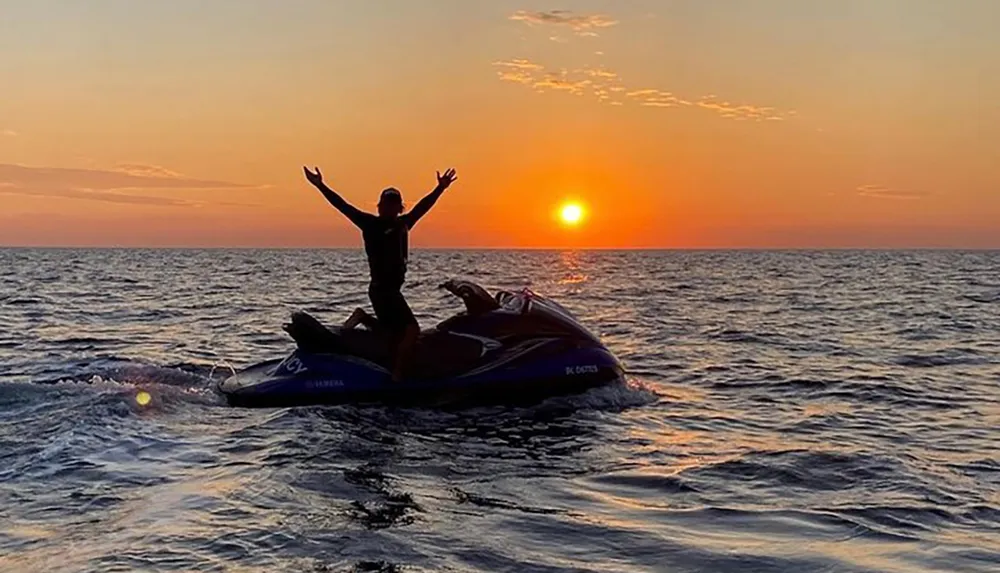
(390, 203)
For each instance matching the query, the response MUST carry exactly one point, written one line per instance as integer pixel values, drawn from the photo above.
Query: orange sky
(683, 124)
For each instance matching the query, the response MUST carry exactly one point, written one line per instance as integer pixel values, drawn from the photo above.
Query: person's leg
(369, 322)
(405, 349)
(354, 320)
(359, 316)
(385, 305)
(404, 326)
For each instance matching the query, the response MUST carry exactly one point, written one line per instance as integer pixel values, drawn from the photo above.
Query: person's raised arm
(425, 204)
(356, 215)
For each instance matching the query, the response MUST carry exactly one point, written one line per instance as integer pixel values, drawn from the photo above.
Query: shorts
(391, 309)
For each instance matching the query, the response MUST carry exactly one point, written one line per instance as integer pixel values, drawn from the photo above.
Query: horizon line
(552, 248)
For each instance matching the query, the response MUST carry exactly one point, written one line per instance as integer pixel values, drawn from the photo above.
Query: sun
(571, 213)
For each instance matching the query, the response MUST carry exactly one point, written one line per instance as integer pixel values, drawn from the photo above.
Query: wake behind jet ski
(507, 348)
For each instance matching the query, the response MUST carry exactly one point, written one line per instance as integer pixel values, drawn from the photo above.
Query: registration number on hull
(325, 384)
(585, 369)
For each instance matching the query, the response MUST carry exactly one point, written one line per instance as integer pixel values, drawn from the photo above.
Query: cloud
(95, 195)
(607, 87)
(536, 76)
(8, 132)
(141, 170)
(740, 111)
(560, 83)
(113, 186)
(127, 176)
(521, 64)
(711, 102)
(656, 98)
(517, 71)
(580, 24)
(516, 77)
(883, 192)
(600, 73)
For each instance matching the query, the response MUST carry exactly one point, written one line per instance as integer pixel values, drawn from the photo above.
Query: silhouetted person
(386, 238)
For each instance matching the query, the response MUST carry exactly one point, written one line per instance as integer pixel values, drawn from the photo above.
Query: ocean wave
(951, 357)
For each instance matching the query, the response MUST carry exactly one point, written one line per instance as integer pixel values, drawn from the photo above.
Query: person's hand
(447, 179)
(314, 178)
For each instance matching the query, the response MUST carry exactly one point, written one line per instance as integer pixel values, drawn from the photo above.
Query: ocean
(805, 411)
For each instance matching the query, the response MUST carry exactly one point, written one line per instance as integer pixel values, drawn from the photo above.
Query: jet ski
(510, 347)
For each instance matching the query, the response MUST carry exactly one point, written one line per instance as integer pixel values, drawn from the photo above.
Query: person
(386, 240)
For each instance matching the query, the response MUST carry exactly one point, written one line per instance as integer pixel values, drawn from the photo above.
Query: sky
(675, 124)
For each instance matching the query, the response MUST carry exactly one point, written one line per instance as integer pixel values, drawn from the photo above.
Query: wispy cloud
(118, 185)
(521, 64)
(579, 24)
(535, 75)
(95, 195)
(600, 73)
(8, 132)
(740, 111)
(884, 192)
(141, 170)
(517, 71)
(656, 98)
(560, 81)
(607, 87)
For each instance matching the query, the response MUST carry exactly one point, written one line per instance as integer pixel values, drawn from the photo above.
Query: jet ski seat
(444, 350)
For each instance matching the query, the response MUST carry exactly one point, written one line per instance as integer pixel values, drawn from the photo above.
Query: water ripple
(799, 411)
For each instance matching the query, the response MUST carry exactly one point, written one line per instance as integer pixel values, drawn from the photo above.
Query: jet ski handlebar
(478, 301)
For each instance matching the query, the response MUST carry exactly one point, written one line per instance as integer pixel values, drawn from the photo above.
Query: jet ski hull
(504, 349)
(326, 379)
